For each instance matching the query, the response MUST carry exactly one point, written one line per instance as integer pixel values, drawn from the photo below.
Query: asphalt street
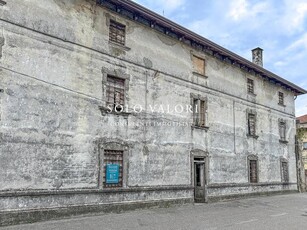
(275, 212)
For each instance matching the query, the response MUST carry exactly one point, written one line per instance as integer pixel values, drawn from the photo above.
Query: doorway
(199, 179)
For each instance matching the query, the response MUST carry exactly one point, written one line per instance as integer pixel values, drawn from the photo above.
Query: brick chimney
(257, 56)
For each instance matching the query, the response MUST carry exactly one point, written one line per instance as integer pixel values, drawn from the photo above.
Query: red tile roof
(302, 119)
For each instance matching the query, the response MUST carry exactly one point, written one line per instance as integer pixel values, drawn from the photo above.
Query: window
(199, 65)
(284, 171)
(113, 169)
(253, 171)
(304, 145)
(199, 112)
(250, 86)
(117, 32)
(115, 93)
(280, 98)
(251, 124)
(282, 130)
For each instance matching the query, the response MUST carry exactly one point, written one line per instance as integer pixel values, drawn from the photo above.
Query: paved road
(287, 212)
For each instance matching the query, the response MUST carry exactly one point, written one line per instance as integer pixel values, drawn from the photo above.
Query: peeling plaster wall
(54, 57)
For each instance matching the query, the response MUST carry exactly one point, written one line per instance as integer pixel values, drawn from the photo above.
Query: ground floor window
(284, 171)
(253, 169)
(113, 168)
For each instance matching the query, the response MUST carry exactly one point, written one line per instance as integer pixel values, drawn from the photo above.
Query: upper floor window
(199, 112)
(199, 65)
(251, 122)
(250, 86)
(281, 98)
(304, 145)
(115, 93)
(282, 130)
(117, 32)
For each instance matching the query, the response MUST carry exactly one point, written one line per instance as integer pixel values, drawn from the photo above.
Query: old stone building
(106, 105)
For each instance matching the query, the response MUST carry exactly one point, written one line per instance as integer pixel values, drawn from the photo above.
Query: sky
(279, 27)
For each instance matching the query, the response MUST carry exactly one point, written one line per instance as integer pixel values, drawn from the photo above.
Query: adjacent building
(302, 146)
(106, 105)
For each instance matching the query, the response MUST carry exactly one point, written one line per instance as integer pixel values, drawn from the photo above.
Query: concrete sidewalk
(275, 212)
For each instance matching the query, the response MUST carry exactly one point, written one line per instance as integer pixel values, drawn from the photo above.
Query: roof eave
(215, 47)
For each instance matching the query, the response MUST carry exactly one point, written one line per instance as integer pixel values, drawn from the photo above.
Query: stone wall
(55, 59)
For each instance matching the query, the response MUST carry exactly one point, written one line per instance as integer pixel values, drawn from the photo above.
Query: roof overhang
(136, 12)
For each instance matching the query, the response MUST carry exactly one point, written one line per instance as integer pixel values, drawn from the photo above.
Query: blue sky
(277, 26)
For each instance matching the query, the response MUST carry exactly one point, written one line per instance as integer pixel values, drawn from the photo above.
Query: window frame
(282, 128)
(116, 89)
(281, 98)
(304, 145)
(117, 73)
(253, 158)
(283, 162)
(250, 86)
(197, 58)
(118, 157)
(251, 113)
(200, 116)
(117, 29)
(112, 146)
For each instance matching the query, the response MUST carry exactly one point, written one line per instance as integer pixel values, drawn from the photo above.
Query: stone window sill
(252, 136)
(251, 94)
(206, 128)
(116, 45)
(199, 75)
(283, 141)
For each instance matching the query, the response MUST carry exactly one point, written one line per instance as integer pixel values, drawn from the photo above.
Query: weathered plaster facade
(54, 62)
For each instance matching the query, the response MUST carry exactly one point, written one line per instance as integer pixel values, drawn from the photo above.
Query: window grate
(117, 32)
(280, 98)
(115, 92)
(285, 172)
(250, 86)
(252, 124)
(113, 157)
(253, 177)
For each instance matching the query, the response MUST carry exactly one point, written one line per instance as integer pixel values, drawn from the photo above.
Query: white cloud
(294, 15)
(242, 9)
(299, 44)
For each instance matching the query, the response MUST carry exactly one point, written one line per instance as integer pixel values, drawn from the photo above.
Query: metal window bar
(115, 91)
(117, 32)
(250, 86)
(252, 124)
(113, 157)
(253, 177)
(280, 98)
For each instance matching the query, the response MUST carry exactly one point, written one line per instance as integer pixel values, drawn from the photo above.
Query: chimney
(257, 56)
